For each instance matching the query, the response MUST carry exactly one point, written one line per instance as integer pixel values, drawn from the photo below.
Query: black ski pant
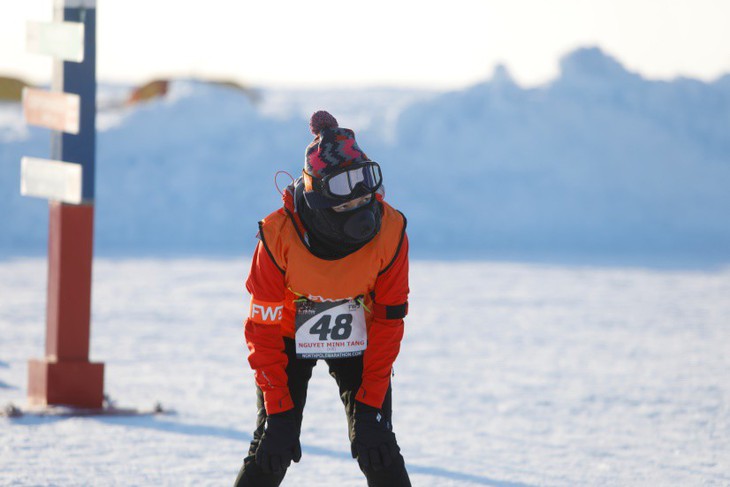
(348, 374)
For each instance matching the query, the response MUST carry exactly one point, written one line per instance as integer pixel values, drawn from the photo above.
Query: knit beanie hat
(332, 146)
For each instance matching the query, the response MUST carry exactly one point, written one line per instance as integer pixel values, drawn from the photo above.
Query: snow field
(509, 375)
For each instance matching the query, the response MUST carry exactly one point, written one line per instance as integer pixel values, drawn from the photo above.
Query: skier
(329, 280)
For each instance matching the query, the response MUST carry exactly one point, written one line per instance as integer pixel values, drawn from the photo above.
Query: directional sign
(56, 111)
(62, 40)
(54, 180)
(75, 3)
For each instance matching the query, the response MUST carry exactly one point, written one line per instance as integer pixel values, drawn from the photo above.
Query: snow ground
(509, 375)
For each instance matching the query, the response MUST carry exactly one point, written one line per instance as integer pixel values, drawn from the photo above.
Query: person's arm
(265, 283)
(386, 329)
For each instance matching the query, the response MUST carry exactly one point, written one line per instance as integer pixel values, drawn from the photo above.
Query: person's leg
(348, 374)
(298, 373)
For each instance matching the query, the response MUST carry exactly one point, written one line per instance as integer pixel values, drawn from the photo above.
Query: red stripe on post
(66, 376)
(70, 248)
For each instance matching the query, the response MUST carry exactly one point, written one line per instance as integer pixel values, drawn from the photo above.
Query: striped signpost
(65, 376)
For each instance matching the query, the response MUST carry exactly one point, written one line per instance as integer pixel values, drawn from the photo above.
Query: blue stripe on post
(80, 78)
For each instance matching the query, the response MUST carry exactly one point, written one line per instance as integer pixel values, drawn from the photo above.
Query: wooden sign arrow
(54, 180)
(56, 111)
(62, 40)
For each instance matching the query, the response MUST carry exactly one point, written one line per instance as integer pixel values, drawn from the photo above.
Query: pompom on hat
(333, 146)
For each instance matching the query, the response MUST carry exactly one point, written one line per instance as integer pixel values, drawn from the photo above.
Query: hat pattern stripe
(331, 148)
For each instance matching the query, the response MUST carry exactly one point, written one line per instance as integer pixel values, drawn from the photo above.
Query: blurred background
(586, 131)
(584, 142)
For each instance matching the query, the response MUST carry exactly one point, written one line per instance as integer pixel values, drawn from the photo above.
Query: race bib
(330, 330)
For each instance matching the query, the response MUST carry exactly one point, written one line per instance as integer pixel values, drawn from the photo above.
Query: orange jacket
(283, 270)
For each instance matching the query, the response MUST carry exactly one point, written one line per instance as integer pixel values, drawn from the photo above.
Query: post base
(76, 384)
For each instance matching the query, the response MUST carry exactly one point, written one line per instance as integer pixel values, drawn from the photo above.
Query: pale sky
(429, 44)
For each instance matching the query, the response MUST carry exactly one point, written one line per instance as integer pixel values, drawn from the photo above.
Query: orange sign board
(56, 111)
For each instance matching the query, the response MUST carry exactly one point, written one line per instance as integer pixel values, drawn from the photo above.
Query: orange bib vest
(308, 276)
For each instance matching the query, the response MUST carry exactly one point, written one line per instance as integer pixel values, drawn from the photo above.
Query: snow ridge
(599, 162)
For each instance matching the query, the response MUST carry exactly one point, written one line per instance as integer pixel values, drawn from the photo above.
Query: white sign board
(56, 111)
(54, 180)
(75, 3)
(62, 40)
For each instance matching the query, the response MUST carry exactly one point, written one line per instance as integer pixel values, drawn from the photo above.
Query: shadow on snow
(236, 435)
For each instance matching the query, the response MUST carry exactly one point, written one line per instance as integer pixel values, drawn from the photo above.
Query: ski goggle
(351, 182)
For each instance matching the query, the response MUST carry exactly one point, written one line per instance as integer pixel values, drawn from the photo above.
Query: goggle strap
(307, 181)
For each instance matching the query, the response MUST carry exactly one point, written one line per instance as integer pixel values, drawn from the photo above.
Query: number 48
(341, 330)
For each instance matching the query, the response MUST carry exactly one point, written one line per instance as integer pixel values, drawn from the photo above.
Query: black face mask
(350, 227)
(336, 234)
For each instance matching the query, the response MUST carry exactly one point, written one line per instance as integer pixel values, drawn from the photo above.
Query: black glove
(279, 444)
(374, 445)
